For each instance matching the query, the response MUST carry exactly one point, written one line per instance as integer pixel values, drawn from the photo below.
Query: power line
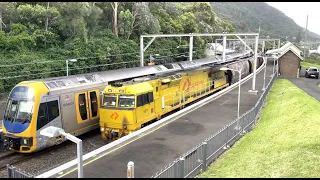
(85, 67)
(80, 58)
(4, 78)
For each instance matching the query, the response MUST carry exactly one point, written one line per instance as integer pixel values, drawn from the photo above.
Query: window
(53, 110)
(150, 97)
(24, 113)
(42, 116)
(109, 100)
(126, 101)
(139, 101)
(157, 89)
(83, 106)
(145, 99)
(94, 104)
(7, 111)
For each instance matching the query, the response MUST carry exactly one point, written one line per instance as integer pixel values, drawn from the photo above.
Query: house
(289, 57)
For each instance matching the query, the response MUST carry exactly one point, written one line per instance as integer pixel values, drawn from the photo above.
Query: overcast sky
(298, 12)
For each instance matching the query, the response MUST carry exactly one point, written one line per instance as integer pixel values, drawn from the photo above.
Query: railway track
(13, 158)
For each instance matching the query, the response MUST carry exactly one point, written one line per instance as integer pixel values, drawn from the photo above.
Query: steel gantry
(253, 40)
(191, 35)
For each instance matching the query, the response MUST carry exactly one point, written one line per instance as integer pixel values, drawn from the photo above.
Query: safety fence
(13, 172)
(197, 159)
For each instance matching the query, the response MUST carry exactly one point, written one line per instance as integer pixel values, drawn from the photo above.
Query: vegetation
(248, 16)
(285, 144)
(97, 34)
(312, 61)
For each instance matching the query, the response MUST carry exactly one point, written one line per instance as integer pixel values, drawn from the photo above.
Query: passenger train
(72, 102)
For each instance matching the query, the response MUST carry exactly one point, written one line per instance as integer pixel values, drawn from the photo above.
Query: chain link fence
(197, 159)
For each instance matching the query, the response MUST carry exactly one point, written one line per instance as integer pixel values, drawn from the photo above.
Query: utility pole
(305, 38)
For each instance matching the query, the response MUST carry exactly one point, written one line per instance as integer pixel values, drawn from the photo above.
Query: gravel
(57, 155)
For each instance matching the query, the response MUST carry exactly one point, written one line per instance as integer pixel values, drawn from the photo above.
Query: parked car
(312, 72)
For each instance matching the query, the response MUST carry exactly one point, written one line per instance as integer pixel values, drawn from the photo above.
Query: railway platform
(154, 150)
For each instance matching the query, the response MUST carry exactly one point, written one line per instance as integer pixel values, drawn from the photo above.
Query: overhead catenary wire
(79, 58)
(85, 67)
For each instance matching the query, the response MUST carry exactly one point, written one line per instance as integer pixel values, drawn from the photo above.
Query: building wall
(289, 64)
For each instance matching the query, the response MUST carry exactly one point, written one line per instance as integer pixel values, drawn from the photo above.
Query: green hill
(248, 16)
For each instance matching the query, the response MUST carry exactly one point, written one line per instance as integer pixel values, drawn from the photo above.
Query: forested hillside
(100, 35)
(248, 16)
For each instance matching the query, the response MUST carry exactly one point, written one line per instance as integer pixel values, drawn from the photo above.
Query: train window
(150, 97)
(42, 116)
(145, 99)
(53, 110)
(126, 101)
(139, 101)
(83, 106)
(109, 100)
(157, 89)
(94, 104)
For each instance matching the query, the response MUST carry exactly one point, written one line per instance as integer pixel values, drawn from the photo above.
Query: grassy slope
(285, 144)
(305, 65)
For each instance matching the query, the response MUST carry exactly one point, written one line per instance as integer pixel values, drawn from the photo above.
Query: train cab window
(94, 104)
(109, 100)
(126, 101)
(42, 116)
(145, 99)
(139, 101)
(150, 97)
(53, 110)
(83, 106)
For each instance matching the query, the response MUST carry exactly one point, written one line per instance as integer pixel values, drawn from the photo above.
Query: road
(309, 85)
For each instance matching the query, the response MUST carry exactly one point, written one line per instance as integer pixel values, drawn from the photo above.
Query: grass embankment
(286, 143)
(305, 65)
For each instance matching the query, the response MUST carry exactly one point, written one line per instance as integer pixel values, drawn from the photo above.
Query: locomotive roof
(64, 82)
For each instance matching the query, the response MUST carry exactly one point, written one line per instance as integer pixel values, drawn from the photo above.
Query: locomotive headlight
(122, 91)
(102, 129)
(109, 90)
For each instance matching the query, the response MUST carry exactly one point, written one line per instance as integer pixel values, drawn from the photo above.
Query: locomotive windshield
(126, 101)
(122, 100)
(109, 100)
(20, 105)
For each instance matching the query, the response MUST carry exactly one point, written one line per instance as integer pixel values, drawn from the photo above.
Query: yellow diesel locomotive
(130, 105)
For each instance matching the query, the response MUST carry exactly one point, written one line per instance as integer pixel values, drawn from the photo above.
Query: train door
(54, 112)
(82, 107)
(94, 104)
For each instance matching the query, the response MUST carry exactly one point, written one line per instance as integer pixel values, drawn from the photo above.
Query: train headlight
(102, 129)
(25, 141)
(109, 90)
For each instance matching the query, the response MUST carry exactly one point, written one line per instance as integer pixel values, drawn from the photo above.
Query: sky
(298, 12)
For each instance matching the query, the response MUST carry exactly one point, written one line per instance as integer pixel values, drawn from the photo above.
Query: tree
(115, 17)
(3, 6)
(126, 21)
